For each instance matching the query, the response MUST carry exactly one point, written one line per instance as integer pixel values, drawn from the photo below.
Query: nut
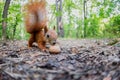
(55, 49)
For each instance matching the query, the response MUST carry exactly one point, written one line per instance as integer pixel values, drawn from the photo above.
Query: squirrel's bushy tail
(35, 16)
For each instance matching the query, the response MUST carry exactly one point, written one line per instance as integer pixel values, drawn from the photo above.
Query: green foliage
(15, 25)
(14, 21)
(1, 9)
(75, 26)
(114, 26)
(93, 25)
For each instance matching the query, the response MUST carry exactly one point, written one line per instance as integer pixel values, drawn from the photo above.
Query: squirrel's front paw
(45, 50)
(47, 45)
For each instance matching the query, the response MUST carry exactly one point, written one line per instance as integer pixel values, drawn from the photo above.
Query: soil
(82, 59)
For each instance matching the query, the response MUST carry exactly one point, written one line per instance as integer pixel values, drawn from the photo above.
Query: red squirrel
(36, 25)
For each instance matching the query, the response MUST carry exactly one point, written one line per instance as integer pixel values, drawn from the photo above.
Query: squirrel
(36, 25)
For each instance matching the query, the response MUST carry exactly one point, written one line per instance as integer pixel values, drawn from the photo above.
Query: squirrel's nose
(54, 42)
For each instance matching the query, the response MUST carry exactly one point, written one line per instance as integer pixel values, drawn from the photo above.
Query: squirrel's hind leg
(31, 40)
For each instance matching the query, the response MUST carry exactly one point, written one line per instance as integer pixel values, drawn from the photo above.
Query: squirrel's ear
(54, 28)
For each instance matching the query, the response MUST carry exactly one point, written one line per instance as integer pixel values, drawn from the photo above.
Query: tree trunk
(59, 18)
(14, 27)
(69, 20)
(4, 21)
(84, 26)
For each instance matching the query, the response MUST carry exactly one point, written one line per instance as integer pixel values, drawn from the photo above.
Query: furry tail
(35, 17)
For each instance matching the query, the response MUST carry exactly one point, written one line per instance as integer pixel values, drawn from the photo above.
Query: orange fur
(36, 23)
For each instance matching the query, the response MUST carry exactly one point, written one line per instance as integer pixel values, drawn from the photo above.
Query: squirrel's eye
(48, 35)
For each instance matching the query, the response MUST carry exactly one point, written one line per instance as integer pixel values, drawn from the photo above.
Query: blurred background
(72, 18)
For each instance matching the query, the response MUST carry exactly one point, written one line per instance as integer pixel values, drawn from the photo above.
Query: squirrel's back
(35, 17)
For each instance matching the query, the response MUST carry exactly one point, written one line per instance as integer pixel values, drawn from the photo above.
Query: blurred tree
(69, 5)
(4, 19)
(59, 18)
(15, 19)
(85, 17)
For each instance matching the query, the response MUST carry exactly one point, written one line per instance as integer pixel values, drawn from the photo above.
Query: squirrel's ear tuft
(54, 28)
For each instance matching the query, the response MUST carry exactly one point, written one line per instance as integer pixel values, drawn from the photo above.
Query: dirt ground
(82, 59)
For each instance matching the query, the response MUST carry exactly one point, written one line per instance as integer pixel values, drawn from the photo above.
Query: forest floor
(83, 59)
